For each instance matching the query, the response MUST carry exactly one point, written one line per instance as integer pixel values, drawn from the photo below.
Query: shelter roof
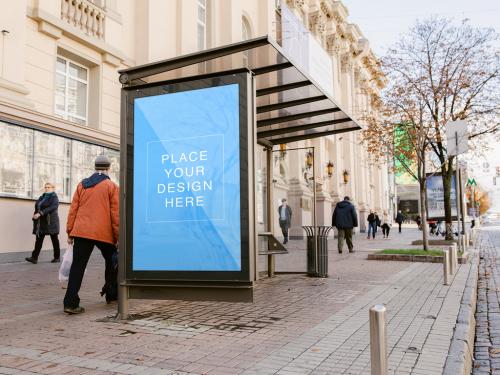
(290, 105)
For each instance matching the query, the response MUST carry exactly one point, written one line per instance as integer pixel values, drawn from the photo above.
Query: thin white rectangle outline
(223, 179)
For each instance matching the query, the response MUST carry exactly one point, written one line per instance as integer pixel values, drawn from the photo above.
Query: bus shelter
(190, 130)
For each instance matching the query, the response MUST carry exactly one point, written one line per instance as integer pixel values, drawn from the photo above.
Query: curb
(417, 258)
(461, 353)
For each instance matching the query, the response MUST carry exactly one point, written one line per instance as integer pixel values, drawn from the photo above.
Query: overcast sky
(382, 21)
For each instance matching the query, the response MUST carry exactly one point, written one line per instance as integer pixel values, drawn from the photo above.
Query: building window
(16, 148)
(52, 163)
(30, 158)
(71, 94)
(246, 34)
(201, 24)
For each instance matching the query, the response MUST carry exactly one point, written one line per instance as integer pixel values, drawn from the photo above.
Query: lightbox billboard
(435, 197)
(187, 210)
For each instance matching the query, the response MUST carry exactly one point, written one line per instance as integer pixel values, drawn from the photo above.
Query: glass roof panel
(286, 98)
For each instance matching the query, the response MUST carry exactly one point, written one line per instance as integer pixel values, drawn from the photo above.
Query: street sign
(471, 182)
(457, 137)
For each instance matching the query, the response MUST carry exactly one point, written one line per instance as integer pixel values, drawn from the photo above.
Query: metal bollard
(452, 250)
(378, 340)
(446, 267)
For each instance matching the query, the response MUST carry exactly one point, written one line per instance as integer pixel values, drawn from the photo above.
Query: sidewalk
(297, 325)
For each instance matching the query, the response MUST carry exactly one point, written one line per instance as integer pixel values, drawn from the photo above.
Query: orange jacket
(94, 212)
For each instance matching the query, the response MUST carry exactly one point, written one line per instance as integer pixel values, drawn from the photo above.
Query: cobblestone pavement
(297, 325)
(487, 345)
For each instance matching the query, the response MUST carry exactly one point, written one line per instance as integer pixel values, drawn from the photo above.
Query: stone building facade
(60, 95)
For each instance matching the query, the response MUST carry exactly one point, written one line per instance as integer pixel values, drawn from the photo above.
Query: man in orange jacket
(92, 221)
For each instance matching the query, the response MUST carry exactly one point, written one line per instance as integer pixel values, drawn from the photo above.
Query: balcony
(84, 15)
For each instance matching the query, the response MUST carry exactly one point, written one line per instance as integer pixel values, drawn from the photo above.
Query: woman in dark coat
(46, 222)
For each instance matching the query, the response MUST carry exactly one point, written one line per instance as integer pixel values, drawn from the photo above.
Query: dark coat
(399, 218)
(48, 222)
(288, 214)
(344, 216)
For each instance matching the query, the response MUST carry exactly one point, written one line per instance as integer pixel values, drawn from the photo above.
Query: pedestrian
(46, 222)
(386, 224)
(372, 224)
(418, 221)
(344, 218)
(285, 218)
(92, 221)
(399, 219)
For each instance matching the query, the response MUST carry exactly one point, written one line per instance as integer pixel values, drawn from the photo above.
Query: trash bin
(317, 261)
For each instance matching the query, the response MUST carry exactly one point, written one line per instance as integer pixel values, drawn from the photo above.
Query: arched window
(246, 33)
(201, 24)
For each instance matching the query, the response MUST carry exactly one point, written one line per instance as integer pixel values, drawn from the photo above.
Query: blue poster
(187, 181)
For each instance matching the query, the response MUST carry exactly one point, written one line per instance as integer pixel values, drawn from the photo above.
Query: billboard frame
(196, 285)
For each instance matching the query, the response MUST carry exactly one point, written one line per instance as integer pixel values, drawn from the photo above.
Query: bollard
(464, 242)
(446, 267)
(378, 340)
(456, 256)
(452, 259)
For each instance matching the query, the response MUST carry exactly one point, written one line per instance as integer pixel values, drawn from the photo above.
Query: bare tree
(397, 128)
(453, 71)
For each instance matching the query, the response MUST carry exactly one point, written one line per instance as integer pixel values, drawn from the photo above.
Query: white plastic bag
(66, 264)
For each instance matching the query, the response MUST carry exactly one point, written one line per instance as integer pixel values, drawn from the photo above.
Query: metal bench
(274, 247)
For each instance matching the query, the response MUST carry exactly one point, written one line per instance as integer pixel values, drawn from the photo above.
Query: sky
(382, 21)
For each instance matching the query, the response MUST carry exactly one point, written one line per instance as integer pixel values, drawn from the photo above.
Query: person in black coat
(344, 218)
(285, 219)
(399, 219)
(46, 222)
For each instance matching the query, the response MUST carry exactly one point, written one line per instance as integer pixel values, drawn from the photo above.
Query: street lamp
(329, 169)
(309, 160)
(345, 174)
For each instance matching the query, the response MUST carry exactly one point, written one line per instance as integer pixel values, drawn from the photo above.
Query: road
(487, 345)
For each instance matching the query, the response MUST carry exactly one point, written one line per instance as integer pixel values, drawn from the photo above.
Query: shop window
(16, 148)
(71, 93)
(30, 158)
(51, 163)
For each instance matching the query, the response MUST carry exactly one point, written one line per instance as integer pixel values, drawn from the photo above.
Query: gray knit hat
(102, 162)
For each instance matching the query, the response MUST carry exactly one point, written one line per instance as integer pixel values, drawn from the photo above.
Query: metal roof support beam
(146, 70)
(309, 136)
(279, 88)
(298, 128)
(291, 103)
(298, 116)
(272, 68)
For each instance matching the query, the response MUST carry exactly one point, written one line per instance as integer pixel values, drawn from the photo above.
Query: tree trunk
(446, 175)
(423, 216)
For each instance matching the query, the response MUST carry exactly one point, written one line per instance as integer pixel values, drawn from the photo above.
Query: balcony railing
(84, 15)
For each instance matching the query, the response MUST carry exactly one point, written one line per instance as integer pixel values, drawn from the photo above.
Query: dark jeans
(284, 229)
(39, 242)
(386, 229)
(82, 249)
(399, 224)
(372, 229)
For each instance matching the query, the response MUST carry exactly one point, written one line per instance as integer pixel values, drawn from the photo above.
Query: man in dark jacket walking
(285, 218)
(399, 219)
(344, 218)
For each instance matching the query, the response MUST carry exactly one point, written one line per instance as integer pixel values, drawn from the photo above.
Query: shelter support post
(270, 209)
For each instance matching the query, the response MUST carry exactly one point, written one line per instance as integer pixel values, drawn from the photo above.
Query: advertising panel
(435, 197)
(189, 193)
